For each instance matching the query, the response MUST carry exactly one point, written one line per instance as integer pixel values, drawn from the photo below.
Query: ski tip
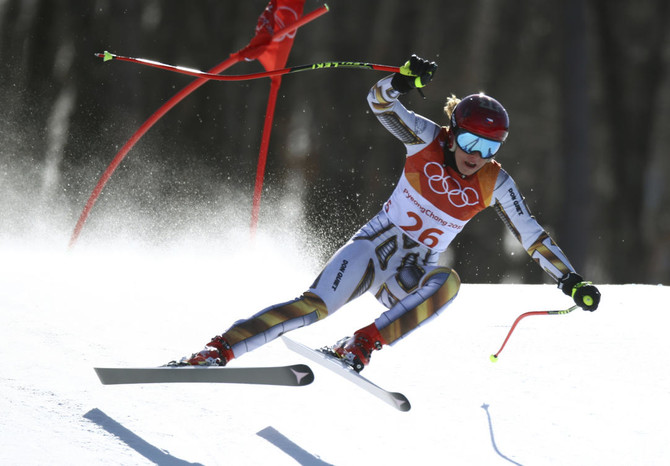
(303, 374)
(100, 372)
(401, 402)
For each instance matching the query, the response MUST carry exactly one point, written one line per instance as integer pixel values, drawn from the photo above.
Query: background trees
(585, 83)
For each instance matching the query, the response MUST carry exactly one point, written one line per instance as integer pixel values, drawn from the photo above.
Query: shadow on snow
(135, 442)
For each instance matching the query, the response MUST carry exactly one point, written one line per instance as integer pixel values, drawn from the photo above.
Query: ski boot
(357, 350)
(216, 353)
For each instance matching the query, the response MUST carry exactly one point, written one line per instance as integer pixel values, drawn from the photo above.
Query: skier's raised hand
(414, 74)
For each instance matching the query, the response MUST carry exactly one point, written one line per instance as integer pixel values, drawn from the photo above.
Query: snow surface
(576, 389)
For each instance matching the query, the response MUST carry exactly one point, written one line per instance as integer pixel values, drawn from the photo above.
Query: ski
(294, 375)
(397, 400)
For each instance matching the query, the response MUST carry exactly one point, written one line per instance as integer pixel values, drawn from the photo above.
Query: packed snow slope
(577, 389)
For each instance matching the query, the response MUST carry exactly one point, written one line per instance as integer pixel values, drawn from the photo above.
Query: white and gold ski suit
(395, 254)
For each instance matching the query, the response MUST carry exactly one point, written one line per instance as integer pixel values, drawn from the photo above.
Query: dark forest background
(585, 83)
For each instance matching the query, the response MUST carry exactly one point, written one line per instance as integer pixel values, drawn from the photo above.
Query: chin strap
(449, 148)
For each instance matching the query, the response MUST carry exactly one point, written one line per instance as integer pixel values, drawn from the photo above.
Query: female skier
(449, 176)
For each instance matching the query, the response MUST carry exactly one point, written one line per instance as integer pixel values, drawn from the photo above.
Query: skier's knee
(311, 300)
(445, 282)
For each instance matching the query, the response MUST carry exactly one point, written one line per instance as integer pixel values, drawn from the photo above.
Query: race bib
(420, 219)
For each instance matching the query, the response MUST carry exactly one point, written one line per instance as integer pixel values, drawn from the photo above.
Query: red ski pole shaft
(322, 10)
(494, 357)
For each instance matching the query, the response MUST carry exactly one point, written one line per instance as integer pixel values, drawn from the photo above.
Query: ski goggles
(472, 143)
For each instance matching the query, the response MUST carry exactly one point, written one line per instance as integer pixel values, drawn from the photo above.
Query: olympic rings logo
(441, 183)
(280, 21)
(280, 17)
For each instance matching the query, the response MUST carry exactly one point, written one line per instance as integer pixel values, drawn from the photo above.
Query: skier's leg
(348, 274)
(248, 334)
(268, 324)
(437, 288)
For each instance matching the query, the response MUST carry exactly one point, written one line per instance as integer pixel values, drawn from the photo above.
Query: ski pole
(107, 56)
(494, 357)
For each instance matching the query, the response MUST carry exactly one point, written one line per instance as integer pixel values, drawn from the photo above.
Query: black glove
(584, 293)
(415, 73)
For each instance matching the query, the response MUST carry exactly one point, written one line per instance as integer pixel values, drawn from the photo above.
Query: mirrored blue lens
(472, 143)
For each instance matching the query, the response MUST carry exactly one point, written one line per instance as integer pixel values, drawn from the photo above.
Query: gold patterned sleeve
(411, 129)
(513, 211)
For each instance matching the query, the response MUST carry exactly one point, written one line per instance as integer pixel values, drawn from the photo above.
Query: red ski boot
(357, 350)
(216, 353)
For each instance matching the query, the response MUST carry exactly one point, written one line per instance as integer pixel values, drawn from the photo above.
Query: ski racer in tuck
(449, 176)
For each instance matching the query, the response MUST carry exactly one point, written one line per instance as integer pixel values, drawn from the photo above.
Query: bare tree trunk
(632, 76)
(575, 226)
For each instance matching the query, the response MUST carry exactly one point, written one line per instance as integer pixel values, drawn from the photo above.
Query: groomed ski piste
(577, 389)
